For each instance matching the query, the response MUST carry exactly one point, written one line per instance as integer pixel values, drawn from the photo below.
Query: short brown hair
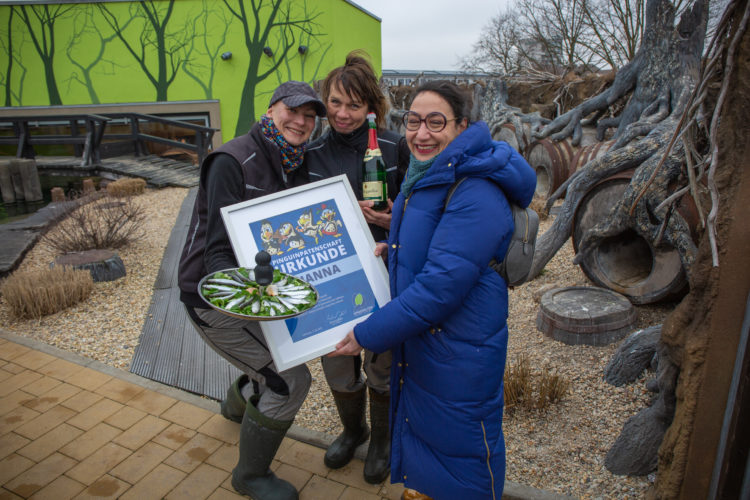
(358, 80)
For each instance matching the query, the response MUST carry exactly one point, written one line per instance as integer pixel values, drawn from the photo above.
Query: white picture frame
(330, 246)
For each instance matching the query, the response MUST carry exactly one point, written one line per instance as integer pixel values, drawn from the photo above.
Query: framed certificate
(317, 233)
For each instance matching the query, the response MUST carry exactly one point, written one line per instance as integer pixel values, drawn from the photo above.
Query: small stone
(104, 265)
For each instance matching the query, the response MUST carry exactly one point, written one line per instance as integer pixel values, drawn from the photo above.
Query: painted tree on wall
(40, 22)
(304, 66)
(87, 39)
(268, 23)
(203, 49)
(150, 19)
(6, 42)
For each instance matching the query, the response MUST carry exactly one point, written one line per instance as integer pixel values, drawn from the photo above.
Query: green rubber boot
(260, 438)
(351, 408)
(233, 406)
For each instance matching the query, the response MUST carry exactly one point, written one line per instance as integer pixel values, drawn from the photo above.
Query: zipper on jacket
(406, 202)
(489, 467)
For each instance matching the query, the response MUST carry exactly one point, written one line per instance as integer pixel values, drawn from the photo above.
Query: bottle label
(372, 153)
(372, 190)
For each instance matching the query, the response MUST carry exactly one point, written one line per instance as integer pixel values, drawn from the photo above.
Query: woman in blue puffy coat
(446, 322)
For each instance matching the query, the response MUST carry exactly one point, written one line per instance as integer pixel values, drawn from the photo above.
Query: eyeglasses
(435, 121)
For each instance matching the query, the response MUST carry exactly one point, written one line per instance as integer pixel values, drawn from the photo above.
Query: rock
(635, 450)
(104, 265)
(633, 356)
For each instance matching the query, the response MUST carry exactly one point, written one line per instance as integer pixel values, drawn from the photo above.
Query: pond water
(71, 184)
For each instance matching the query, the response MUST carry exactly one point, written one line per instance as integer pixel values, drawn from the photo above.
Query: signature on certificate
(335, 318)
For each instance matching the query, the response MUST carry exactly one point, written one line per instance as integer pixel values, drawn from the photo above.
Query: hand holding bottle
(377, 217)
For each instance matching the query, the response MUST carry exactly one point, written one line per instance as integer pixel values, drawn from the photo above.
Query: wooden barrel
(585, 315)
(587, 154)
(507, 132)
(627, 263)
(550, 160)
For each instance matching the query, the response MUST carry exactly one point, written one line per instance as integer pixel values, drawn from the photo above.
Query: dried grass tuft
(122, 188)
(539, 205)
(517, 382)
(33, 294)
(524, 389)
(552, 388)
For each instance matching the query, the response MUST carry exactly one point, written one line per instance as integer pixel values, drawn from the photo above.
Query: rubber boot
(233, 406)
(351, 407)
(260, 438)
(378, 461)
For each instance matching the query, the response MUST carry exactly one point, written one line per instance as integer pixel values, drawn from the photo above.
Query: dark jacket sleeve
(403, 160)
(224, 186)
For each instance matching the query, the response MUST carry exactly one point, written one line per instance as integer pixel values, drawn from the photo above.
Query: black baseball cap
(295, 94)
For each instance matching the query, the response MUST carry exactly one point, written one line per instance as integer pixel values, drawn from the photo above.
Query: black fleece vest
(260, 162)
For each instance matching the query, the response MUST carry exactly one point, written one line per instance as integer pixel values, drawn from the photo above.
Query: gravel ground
(560, 449)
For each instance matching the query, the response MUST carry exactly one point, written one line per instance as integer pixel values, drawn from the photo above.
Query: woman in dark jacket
(264, 400)
(350, 92)
(446, 322)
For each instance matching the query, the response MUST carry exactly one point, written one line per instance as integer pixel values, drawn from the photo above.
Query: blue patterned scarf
(291, 156)
(416, 171)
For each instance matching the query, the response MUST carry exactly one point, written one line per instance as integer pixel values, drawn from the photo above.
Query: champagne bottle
(374, 185)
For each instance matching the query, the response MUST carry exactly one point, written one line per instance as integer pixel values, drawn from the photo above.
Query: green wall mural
(236, 51)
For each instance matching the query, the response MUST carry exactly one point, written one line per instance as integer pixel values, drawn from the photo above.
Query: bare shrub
(524, 389)
(126, 187)
(97, 222)
(33, 294)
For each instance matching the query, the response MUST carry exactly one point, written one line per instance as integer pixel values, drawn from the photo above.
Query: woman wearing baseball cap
(266, 160)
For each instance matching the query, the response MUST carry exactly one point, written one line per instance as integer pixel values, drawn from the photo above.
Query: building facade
(171, 55)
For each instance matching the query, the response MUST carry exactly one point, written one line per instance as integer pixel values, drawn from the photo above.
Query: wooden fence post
(6, 182)
(29, 177)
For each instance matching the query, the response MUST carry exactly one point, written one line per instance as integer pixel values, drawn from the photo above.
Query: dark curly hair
(459, 100)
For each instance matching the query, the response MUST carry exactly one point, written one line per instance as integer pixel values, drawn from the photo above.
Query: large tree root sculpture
(661, 77)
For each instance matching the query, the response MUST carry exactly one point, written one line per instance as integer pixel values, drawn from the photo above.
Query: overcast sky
(430, 34)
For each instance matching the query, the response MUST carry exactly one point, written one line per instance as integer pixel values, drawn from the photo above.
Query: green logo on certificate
(358, 299)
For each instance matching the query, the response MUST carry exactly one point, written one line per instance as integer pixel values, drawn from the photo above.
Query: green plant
(33, 294)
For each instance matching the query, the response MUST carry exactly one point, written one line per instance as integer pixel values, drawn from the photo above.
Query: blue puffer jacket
(446, 322)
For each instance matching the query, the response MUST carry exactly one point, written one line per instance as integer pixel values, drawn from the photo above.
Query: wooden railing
(89, 144)
(202, 135)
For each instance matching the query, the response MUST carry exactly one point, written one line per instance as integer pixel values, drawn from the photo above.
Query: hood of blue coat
(474, 154)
